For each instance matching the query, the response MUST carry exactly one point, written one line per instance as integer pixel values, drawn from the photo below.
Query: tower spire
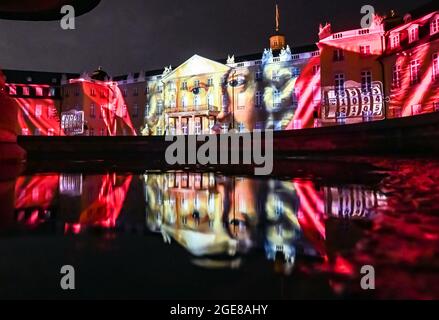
(277, 41)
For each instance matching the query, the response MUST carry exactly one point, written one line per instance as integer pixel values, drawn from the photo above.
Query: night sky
(131, 35)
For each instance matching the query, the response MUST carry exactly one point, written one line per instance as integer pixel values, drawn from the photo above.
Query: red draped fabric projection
(308, 87)
(105, 210)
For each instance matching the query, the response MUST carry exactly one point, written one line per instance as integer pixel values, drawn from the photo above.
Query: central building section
(194, 97)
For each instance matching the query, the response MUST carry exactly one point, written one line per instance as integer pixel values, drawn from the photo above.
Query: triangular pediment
(196, 65)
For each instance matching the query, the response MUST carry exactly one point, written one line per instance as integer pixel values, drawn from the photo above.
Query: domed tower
(100, 75)
(278, 40)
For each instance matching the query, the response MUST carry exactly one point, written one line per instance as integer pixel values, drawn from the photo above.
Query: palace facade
(390, 69)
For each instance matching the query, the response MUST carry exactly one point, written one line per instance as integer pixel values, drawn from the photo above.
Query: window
(66, 93)
(241, 101)
(259, 75)
(197, 83)
(210, 82)
(26, 109)
(260, 125)
(39, 91)
(136, 92)
(275, 75)
(415, 69)
(197, 100)
(184, 85)
(102, 113)
(365, 51)
(160, 88)
(241, 127)
(436, 67)
(92, 92)
(277, 101)
(38, 110)
(434, 26)
(416, 109)
(225, 102)
(316, 70)
(366, 81)
(37, 132)
(413, 34)
(92, 110)
(77, 92)
(317, 94)
(184, 128)
(136, 111)
(396, 77)
(395, 41)
(259, 97)
(436, 106)
(103, 132)
(339, 83)
(210, 100)
(124, 92)
(197, 127)
(91, 132)
(295, 96)
(26, 91)
(338, 55)
(12, 90)
(296, 72)
(52, 92)
(51, 112)
(184, 102)
(124, 111)
(160, 106)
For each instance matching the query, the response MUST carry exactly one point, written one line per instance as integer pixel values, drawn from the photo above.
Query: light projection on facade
(104, 104)
(203, 96)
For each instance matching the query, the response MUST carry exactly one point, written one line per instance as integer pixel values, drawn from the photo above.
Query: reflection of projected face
(239, 226)
(242, 85)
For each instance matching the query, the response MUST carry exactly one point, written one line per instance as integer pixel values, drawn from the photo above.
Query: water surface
(304, 233)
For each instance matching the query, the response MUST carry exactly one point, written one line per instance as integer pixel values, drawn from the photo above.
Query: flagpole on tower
(277, 18)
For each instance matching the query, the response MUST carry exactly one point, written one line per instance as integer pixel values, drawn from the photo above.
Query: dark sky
(130, 35)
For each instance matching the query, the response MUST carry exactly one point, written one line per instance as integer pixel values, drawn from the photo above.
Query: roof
(36, 77)
(238, 59)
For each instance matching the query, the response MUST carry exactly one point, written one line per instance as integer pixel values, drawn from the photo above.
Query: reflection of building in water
(219, 216)
(41, 197)
(352, 202)
(34, 199)
(71, 185)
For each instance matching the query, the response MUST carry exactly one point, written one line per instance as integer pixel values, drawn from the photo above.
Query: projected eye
(238, 223)
(196, 90)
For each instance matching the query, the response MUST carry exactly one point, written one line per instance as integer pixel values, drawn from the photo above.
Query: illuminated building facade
(411, 62)
(390, 69)
(204, 96)
(349, 68)
(103, 103)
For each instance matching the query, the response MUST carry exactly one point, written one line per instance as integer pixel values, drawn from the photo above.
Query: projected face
(272, 95)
